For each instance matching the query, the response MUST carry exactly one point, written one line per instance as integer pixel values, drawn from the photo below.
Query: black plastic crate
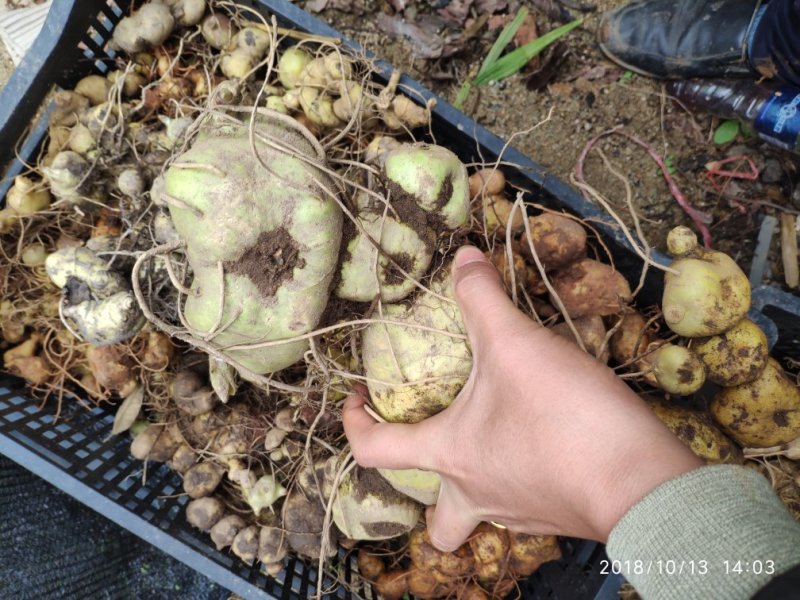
(78, 453)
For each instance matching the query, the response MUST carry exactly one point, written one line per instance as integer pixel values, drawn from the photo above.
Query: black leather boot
(680, 38)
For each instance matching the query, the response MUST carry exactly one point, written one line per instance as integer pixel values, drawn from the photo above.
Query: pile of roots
(238, 222)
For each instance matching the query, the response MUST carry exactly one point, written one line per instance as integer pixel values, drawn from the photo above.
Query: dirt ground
(6, 66)
(589, 95)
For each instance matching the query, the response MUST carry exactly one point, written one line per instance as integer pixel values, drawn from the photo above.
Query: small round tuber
(204, 513)
(225, 530)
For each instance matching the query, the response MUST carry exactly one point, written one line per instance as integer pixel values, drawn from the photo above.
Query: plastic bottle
(772, 112)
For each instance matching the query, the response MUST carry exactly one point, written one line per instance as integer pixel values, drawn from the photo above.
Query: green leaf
(669, 163)
(726, 132)
(505, 37)
(463, 94)
(514, 61)
(627, 76)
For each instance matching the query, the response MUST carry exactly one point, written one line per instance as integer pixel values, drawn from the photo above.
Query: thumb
(386, 445)
(449, 523)
(484, 303)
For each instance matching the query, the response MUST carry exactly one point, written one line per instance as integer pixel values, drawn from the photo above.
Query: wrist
(633, 477)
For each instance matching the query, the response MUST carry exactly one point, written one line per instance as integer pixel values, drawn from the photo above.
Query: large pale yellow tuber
(274, 239)
(706, 293)
(415, 373)
(422, 486)
(416, 370)
(761, 413)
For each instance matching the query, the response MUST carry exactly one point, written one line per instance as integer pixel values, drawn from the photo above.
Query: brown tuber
(369, 565)
(225, 530)
(245, 544)
(191, 394)
(697, 431)
(590, 288)
(204, 513)
(158, 442)
(202, 479)
(529, 552)
(497, 212)
(183, 459)
(392, 585)
(592, 332)
(631, 338)
(558, 240)
(272, 545)
(489, 182)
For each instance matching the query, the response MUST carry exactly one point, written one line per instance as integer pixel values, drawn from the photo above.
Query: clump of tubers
(95, 298)
(26, 197)
(407, 240)
(492, 556)
(705, 293)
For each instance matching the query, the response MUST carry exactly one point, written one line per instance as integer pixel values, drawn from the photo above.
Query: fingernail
(468, 254)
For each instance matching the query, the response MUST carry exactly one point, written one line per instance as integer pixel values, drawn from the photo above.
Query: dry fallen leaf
(791, 269)
(128, 411)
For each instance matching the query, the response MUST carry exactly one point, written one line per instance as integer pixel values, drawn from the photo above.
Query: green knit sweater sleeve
(716, 532)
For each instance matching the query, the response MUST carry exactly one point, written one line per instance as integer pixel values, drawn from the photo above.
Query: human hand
(542, 438)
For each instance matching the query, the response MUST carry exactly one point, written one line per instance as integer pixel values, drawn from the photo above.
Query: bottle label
(779, 121)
